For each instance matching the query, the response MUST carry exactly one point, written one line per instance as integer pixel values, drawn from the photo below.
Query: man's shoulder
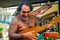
(15, 20)
(33, 17)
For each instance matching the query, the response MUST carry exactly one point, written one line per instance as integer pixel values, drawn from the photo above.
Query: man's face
(25, 11)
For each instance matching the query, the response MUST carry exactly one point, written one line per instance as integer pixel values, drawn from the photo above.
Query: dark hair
(26, 3)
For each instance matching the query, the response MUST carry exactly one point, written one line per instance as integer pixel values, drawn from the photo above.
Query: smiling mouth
(25, 18)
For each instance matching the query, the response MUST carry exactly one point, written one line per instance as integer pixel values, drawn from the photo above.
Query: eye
(25, 11)
(28, 11)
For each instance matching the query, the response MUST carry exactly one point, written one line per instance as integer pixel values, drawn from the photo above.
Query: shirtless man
(22, 21)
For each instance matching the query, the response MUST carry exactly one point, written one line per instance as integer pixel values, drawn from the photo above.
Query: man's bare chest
(26, 24)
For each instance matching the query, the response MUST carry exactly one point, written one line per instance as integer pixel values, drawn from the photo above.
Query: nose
(26, 14)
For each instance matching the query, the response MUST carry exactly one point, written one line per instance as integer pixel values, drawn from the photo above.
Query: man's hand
(30, 36)
(49, 26)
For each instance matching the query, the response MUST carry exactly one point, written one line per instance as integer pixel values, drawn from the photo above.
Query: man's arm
(13, 29)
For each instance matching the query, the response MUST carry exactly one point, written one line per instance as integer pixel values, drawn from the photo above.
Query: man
(23, 20)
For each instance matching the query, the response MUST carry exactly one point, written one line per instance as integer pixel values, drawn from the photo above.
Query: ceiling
(10, 3)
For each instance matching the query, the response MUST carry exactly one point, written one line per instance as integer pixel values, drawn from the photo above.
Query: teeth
(25, 18)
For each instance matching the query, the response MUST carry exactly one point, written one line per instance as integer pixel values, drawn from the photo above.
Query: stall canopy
(10, 3)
